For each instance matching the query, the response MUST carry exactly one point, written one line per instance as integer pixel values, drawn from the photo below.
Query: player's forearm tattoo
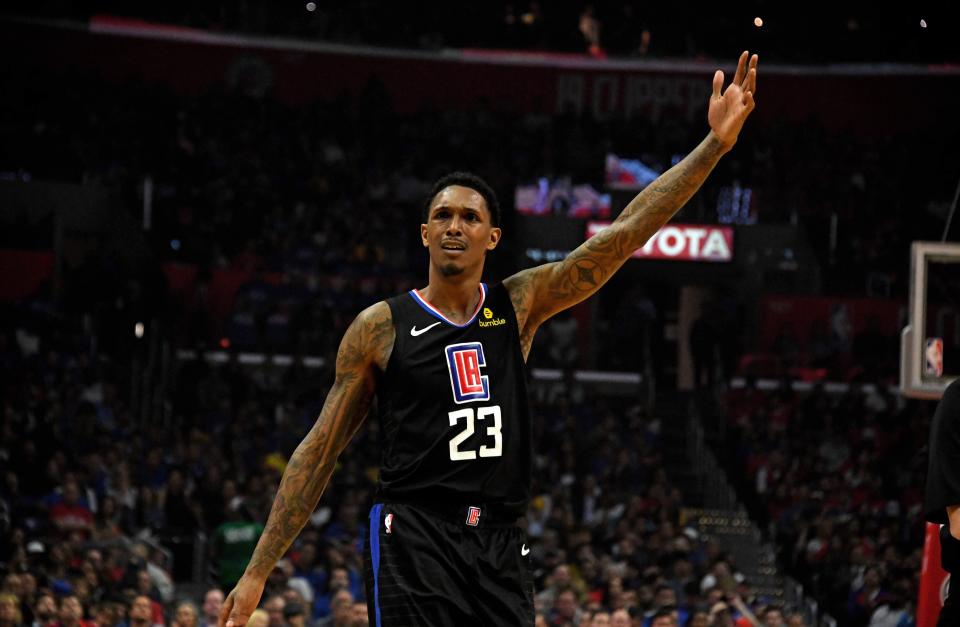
(590, 265)
(366, 345)
(540, 292)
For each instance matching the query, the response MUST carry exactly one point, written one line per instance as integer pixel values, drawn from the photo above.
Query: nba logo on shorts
(388, 523)
(473, 516)
(464, 362)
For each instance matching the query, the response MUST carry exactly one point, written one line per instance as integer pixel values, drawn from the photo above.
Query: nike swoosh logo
(524, 550)
(415, 331)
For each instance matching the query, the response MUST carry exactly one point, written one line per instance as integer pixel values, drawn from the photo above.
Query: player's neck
(456, 297)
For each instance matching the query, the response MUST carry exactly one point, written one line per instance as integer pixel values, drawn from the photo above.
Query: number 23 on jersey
(470, 385)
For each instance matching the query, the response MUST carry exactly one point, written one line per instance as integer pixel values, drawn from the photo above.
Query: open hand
(729, 109)
(240, 603)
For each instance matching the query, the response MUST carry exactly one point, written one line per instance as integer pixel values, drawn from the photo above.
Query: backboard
(930, 343)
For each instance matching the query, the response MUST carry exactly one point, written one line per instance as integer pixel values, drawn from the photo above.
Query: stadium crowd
(314, 204)
(112, 519)
(814, 467)
(118, 515)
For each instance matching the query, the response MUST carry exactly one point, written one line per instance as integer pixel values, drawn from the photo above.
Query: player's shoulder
(523, 287)
(953, 390)
(370, 338)
(376, 313)
(375, 323)
(950, 401)
(520, 286)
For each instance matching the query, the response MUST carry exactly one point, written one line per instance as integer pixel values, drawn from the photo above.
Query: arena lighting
(138, 330)
(923, 23)
(758, 21)
(311, 6)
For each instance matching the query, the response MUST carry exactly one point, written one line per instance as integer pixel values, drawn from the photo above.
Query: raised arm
(364, 352)
(540, 292)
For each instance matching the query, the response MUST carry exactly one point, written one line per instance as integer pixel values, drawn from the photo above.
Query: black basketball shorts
(435, 567)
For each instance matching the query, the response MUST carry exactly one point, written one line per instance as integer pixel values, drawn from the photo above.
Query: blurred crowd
(113, 518)
(114, 513)
(316, 206)
(838, 479)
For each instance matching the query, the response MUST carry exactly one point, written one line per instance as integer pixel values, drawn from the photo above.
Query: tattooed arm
(363, 355)
(540, 292)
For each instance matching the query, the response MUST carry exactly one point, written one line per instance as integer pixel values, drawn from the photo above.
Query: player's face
(459, 231)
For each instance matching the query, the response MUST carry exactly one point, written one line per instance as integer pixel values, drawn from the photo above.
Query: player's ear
(423, 235)
(495, 233)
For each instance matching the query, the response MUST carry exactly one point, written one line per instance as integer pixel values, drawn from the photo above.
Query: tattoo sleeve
(364, 350)
(540, 292)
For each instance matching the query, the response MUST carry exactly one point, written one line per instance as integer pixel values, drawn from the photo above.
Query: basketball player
(446, 364)
(942, 498)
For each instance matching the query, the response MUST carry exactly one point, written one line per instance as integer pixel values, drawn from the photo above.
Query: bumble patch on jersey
(464, 362)
(489, 320)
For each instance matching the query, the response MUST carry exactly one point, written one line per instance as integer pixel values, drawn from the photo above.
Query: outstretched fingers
(750, 84)
(718, 84)
(741, 68)
(225, 610)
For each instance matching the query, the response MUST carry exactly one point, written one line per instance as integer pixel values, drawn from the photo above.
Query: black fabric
(949, 551)
(950, 612)
(439, 444)
(433, 571)
(943, 476)
(490, 514)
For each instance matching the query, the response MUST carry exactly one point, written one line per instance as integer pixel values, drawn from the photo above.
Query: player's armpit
(364, 352)
(521, 287)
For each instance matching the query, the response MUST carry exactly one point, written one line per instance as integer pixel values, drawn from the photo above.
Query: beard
(451, 269)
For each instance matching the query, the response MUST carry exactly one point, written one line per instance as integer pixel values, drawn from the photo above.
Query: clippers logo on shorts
(464, 362)
(473, 516)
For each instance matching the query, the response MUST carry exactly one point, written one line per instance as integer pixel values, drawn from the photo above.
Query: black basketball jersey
(453, 407)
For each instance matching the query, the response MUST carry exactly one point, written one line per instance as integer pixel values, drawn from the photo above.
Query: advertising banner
(683, 242)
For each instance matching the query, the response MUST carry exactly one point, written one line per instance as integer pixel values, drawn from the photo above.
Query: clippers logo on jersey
(464, 362)
(473, 516)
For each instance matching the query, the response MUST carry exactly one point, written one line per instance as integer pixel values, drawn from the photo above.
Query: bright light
(138, 330)
(311, 6)
(923, 23)
(758, 21)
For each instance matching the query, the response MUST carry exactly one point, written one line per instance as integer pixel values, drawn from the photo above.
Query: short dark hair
(292, 609)
(465, 179)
